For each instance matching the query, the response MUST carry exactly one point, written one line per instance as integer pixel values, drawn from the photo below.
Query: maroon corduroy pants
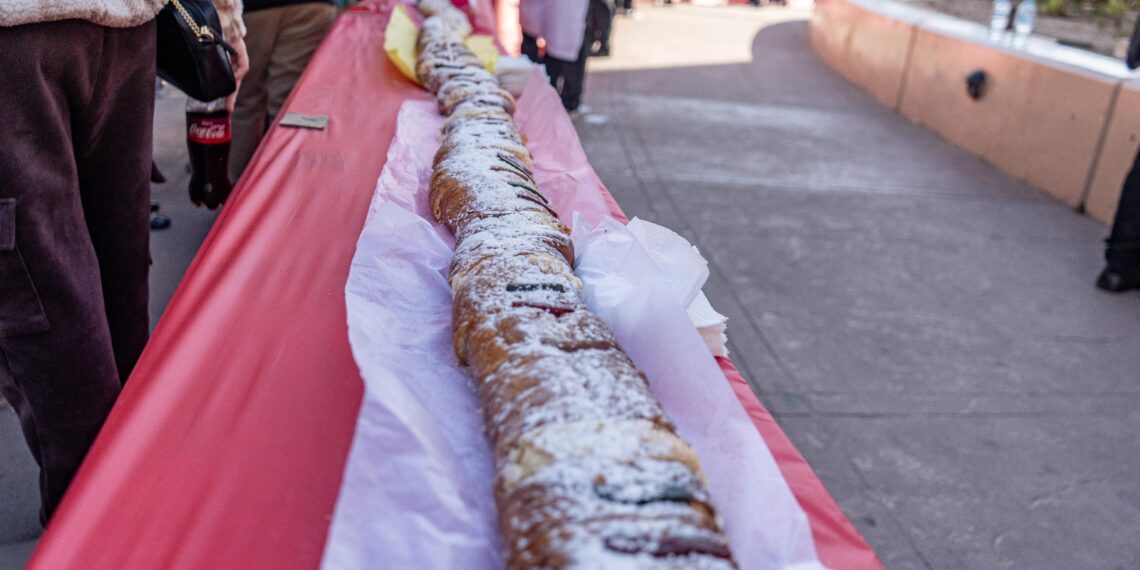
(76, 114)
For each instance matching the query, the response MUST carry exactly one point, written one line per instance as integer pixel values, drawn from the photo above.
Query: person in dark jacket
(1122, 253)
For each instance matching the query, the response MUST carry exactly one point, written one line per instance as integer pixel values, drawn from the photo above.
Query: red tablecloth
(227, 446)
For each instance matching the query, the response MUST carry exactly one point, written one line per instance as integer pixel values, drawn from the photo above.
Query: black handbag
(191, 53)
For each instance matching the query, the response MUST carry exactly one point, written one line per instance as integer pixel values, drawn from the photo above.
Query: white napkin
(513, 72)
(624, 287)
(712, 325)
(686, 271)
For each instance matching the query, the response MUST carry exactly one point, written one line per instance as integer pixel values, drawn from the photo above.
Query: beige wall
(830, 27)
(867, 47)
(1041, 120)
(1120, 146)
(1037, 121)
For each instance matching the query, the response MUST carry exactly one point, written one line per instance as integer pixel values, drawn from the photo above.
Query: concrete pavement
(923, 326)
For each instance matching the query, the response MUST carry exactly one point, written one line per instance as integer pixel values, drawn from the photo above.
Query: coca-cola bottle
(208, 138)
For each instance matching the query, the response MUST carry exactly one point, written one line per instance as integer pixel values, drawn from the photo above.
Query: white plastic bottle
(1025, 19)
(1000, 18)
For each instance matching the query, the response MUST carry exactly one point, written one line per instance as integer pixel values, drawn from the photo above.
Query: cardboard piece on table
(400, 44)
(302, 121)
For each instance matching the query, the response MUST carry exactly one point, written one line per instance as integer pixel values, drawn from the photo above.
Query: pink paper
(560, 165)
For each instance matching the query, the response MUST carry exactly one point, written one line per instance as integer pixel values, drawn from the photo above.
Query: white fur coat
(112, 13)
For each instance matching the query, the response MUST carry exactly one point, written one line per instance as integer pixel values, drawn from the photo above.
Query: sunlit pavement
(924, 327)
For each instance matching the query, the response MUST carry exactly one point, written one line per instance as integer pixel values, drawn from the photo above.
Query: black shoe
(159, 222)
(1114, 281)
(156, 174)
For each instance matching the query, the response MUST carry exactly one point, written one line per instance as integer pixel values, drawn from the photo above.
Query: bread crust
(591, 473)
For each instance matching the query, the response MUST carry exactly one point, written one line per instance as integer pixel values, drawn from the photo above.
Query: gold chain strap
(203, 32)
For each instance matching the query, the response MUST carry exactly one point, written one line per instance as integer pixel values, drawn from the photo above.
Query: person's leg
(553, 65)
(57, 364)
(556, 70)
(574, 77)
(1122, 253)
(248, 120)
(303, 26)
(1132, 59)
(113, 141)
(607, 26)
(598, 19)
(530, 48)
(1126, 225)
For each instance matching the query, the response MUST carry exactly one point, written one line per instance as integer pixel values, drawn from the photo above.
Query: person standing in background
(75, 166)
(282, 36)
(1122, 252)
(562, 24)
(599, 24)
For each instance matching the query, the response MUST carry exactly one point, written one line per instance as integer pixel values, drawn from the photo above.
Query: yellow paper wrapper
(400, 44)
(400, 41)
(484, 48)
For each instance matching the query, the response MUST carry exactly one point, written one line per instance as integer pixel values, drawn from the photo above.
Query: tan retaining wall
(1055, 117)
(1121, 142)
(868, 47)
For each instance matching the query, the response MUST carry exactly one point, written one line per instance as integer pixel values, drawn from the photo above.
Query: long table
(227, 446)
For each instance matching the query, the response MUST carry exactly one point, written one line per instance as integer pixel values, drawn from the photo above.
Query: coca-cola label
(208, 130)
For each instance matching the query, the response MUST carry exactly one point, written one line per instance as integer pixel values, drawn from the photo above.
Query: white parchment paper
(625, 287)
(417, 484)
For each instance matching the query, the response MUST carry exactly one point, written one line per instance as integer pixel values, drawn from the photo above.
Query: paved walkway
(924, 327)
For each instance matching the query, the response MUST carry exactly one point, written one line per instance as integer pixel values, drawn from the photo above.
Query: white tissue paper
(513, 72)
(712, 326)
(686, 270)
(417, 485)
(680, 263)
(623, 286)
